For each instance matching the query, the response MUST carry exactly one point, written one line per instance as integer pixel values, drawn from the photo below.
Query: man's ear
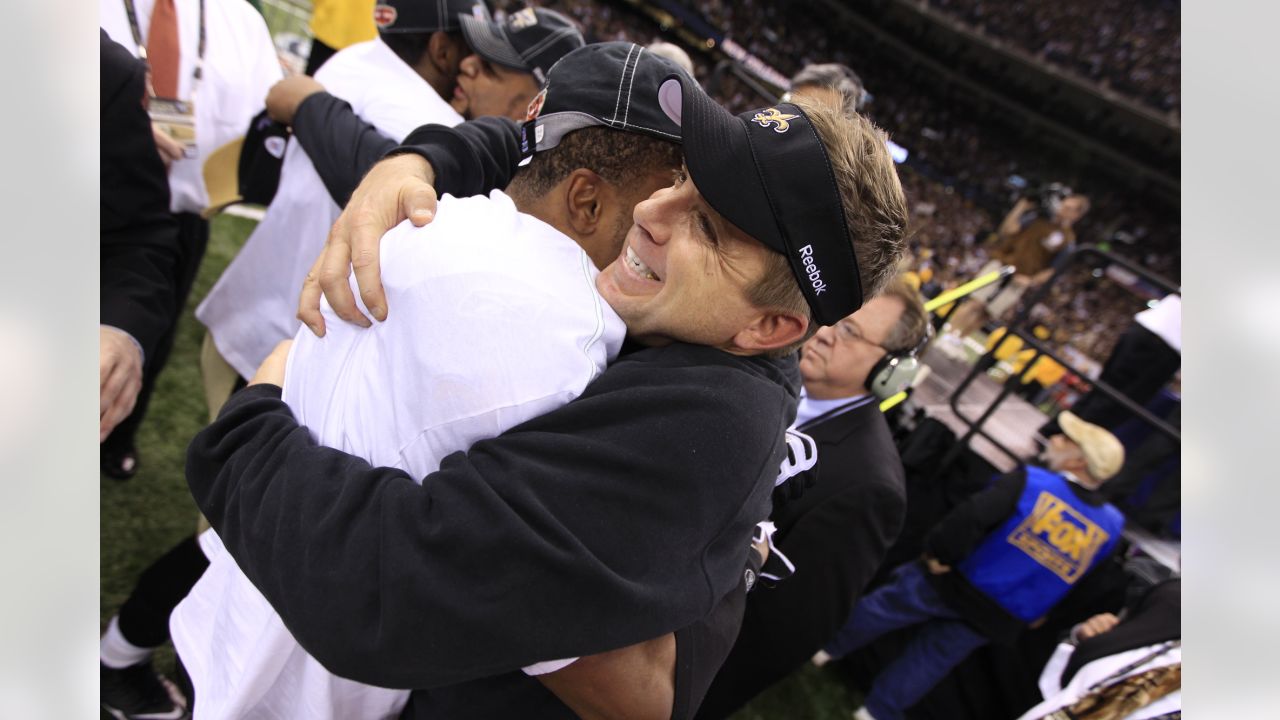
(445, 53)
(586, 196)
(771, 330)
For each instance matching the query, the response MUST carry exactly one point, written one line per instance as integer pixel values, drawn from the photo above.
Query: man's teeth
(641, 269)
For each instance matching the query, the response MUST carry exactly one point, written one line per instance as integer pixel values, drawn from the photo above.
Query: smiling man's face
(684, 272)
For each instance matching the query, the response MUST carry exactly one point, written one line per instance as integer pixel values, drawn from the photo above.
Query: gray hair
(833, 76)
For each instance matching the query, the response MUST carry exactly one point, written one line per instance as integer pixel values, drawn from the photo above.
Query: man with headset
(837, 532)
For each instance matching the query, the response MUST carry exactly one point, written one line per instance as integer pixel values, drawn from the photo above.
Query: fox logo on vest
(774, 117)
(1058, 537)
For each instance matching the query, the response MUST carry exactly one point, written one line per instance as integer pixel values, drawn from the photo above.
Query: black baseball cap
(422, 16)
(531, 40)
(767, 172)
(613, 84)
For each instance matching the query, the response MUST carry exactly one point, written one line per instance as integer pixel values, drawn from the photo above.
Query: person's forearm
(1010, 225)
(340, 144)
(637, 681)
(468, 159)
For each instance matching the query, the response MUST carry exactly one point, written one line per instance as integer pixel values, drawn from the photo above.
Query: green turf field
(145, 516)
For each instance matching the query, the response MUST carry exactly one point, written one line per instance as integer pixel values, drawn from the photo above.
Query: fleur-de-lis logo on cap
(774, 117)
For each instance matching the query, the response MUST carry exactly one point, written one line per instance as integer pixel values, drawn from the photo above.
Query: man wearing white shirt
(252, 306)
(225, 62)
(498, 320)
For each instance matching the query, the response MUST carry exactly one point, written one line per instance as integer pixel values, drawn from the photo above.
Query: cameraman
(1029, 238)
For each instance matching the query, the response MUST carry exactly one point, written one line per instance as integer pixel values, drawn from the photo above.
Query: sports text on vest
(1059, 537)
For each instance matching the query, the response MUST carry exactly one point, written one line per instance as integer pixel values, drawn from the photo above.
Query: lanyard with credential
(174, 117)
(142, 48)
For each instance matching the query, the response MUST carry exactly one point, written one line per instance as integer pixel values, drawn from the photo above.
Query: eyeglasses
(849, 330)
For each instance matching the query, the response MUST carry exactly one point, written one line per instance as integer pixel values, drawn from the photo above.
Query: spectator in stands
(1017, 548)
(1029, 240)
(837, 532)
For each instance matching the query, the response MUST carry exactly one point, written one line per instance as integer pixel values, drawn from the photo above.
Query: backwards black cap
(422, 16)
(531, 40)
(614, 84)
(767, 172)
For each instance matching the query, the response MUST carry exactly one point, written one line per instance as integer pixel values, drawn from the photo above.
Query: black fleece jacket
(617, 518)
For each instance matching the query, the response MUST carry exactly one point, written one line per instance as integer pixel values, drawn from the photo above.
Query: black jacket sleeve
(469, 159)
(139, 241)
(341, 145)
(591, 528)
(970, 521)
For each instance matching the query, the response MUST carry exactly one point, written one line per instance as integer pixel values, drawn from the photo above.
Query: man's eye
(678, 177)
(705, 228)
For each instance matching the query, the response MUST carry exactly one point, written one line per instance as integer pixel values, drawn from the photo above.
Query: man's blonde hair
(875, 211)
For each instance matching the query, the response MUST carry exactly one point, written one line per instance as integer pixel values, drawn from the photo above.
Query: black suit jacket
(837, 534)
(139, 236)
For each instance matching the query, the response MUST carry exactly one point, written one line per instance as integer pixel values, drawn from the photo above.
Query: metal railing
(1018, 328)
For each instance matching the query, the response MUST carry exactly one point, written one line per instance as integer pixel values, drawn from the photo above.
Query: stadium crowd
(435, 514)
(1134, 48)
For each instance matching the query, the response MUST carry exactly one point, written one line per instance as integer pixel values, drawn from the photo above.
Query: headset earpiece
(892, 374)
(897, 370)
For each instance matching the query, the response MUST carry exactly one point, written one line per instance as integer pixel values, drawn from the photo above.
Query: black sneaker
(138, 692)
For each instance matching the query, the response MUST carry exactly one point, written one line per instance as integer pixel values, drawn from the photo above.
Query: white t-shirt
(240, 66)
(493, 319)
(1164, 320)
(254, 305)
